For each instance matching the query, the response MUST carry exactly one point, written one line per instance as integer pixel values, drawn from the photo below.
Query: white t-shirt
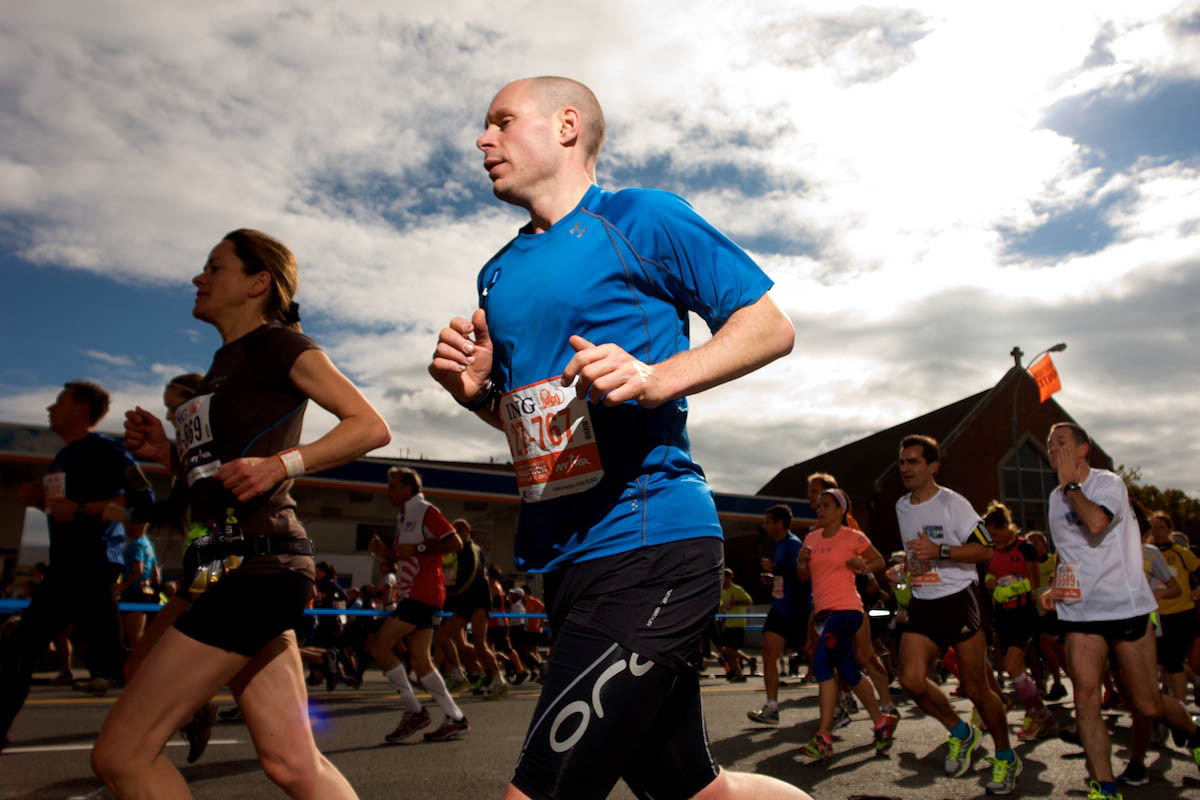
(946, 518)
(1104, 571)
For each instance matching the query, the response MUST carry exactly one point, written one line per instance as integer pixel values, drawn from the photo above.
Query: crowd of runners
(579, 355)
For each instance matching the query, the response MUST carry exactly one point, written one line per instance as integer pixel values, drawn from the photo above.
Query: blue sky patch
(1152, 117)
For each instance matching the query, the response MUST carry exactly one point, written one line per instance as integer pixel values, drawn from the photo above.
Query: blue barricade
(10, 604)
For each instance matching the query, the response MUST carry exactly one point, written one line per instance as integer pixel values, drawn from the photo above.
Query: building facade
(993, 446)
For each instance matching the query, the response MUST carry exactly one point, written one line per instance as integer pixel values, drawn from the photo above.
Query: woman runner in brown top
(249, 564)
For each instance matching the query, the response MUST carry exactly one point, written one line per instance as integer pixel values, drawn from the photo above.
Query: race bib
(777, 588)
(550, 436)
(194, 438)
(54, 486)
(1067, 586)
(921, 573)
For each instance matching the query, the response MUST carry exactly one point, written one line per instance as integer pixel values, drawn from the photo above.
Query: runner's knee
(293, 769)
(913, 680)
(1148, 704)
(114, 761)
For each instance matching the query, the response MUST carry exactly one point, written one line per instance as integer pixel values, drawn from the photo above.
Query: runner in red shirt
(423, 536)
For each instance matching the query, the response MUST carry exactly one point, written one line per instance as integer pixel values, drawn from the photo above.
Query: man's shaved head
(555, 93)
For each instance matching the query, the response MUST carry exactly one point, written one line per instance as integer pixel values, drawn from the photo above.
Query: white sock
(437, 687)
(399, 678)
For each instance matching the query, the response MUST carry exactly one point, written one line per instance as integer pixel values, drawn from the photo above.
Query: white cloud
(108, 358)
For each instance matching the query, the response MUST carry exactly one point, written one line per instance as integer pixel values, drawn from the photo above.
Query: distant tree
(1184, 510)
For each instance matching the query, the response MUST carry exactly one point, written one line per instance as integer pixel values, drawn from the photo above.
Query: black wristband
(487, 398)
(1072, 486)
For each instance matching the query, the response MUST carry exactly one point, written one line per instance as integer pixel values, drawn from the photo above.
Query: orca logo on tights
(585, 710)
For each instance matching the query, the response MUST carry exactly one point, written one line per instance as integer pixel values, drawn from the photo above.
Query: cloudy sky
(929, 185)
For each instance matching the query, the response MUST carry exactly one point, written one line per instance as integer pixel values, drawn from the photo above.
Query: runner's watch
(945, 552)
(1072, 486)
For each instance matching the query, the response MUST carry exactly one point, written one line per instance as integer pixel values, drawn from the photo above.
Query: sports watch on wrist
(1070, 487)
(945, 552)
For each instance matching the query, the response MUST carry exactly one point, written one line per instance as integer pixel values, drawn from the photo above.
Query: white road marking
(61, 748)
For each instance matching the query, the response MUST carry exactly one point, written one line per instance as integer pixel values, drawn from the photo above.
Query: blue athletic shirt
(140, 549)
(795, 599)
(621, 268)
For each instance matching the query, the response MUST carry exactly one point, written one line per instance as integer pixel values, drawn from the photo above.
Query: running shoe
(1134, 775)
(231, 715)
(1057, 692)
(1096, 793)
(329, 669)
(521, 677)
(479, 684)
(498, 689)
(818, 747)
(1040, 726)
(449, 729)
(739, 678)
(64, 678)
(102, 793)
(1177, 736)
(198, 729)
(753, 665)
(885, 733)
(97, 687)
(848, 702)
(840, 718)
(1004, 775)
(1027, 725)
(410, 723)
(764, 716)
(457, 684)
(958, 759)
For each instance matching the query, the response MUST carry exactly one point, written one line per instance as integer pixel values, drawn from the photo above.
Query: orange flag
(1046, 375)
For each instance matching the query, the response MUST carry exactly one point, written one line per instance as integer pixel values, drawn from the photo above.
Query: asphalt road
(48, 757)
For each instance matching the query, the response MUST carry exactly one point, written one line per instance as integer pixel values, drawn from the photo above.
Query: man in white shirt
(945, 538)
(1103, 599)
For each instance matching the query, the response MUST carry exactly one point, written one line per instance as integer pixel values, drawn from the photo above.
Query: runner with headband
(833, 554)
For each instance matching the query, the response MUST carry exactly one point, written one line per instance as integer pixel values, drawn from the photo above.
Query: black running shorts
(419, 615)
(1114, 630)
(626, 706)
(1178, 631)
(1016, 627)
(948, 620)
(243, 612)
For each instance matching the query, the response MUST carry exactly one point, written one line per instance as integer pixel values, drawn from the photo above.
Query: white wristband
(293, 462)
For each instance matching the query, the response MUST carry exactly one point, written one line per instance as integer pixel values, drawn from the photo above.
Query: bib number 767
(551, 439)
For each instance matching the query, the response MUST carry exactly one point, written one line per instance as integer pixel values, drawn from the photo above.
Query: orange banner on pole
(1046, 375)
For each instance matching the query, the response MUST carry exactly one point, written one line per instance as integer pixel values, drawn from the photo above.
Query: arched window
(1026, 481)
